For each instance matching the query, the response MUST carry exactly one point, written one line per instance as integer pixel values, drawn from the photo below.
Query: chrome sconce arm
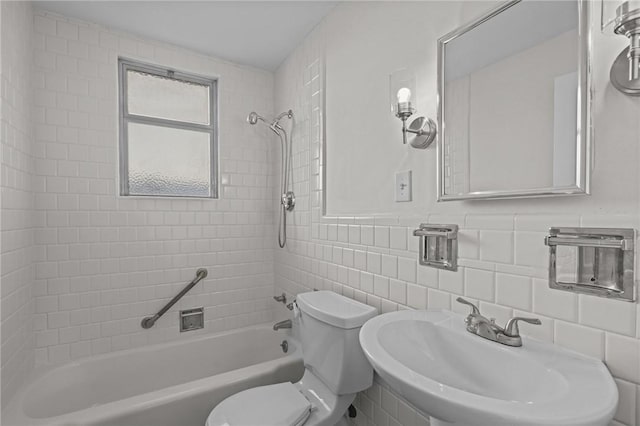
(424, 129)
(404, 111)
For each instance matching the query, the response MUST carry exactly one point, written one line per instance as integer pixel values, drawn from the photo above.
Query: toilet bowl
(335, 370)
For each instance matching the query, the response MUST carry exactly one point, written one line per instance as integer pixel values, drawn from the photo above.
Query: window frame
(125, 65)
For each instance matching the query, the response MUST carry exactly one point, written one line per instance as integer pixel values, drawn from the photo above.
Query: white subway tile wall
(17, 199)
(104, 261)
(502, 254)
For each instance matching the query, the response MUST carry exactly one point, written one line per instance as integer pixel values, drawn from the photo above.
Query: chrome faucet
(282, 298)
(487, 328)
(282, 324)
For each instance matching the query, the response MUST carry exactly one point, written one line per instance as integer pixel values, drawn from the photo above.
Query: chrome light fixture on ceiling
(625, 71)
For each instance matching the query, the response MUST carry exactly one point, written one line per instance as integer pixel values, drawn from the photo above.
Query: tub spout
(282, 324)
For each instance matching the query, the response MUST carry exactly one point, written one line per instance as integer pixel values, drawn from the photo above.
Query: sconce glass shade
(402, 90)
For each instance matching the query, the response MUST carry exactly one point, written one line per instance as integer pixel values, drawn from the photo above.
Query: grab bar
(148, 322)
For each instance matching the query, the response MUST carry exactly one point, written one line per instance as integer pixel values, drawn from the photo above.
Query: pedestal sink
(429, 359)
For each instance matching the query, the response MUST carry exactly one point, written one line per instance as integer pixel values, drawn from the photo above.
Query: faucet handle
(512, 330)
(282, 298)
(475, 310)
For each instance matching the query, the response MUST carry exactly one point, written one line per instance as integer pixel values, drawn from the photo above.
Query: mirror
(514, 100)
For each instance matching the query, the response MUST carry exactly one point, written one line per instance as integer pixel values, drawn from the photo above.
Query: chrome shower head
(253, 118)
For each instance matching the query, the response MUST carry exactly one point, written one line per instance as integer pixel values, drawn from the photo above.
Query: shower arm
(288, 114)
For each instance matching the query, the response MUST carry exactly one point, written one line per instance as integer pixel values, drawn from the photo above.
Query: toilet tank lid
(334, 309)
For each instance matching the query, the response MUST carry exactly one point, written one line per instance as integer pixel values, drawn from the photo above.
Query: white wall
(104, 261)
(373, 257)
(17, 256)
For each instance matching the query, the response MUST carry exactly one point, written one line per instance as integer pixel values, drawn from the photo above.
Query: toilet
(335, 370)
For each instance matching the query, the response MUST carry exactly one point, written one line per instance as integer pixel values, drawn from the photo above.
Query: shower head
(275, 126)
(253, 118)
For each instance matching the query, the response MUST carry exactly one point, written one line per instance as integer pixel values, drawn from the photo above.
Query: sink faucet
(487, 328)
(282, 324)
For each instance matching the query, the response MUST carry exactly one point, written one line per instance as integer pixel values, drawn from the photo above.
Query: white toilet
(335, 371)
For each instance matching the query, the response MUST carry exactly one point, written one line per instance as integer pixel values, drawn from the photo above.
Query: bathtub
(171, 384)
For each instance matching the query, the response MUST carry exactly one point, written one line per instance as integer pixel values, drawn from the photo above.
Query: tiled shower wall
(502, 255)
(104, 261)
(17, 257)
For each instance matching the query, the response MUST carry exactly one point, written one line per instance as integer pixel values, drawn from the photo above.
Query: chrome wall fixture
(601, 265)
(148, 322)
(191, 319)
(402, 87)
(438, 246)
(287, 197)
(625, 71)
(487, 328)
(282, 298)
(423, 129)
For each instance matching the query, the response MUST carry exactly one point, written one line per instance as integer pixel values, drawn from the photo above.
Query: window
(167, 132)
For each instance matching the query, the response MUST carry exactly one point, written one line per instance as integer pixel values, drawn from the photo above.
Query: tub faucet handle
(282, 298)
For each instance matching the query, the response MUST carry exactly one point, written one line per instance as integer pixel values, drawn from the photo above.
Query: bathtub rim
(15, 412)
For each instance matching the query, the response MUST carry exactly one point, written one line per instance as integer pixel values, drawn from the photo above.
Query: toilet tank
(329, 329)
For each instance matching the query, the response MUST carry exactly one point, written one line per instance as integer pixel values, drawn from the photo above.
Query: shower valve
(288, 200)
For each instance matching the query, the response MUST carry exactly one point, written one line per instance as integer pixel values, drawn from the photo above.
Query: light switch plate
(403, 186)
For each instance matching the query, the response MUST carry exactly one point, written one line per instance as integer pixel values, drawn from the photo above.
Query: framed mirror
(514, 103)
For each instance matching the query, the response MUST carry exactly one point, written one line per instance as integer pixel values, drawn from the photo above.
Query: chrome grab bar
(148, 322)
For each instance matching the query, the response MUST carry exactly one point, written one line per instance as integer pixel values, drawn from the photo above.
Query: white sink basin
(430, 359)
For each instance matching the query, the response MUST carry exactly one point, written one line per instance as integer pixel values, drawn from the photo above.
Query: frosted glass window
(160, 166)
(156, 96)
(167, 133)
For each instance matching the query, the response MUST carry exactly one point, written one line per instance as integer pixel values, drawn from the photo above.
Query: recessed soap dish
(600, 260)
(438, 246)
(191, 319)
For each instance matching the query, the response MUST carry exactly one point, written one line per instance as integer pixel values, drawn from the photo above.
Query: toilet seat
(272, 405)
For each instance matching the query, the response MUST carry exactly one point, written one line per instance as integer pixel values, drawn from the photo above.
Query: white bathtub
(172, 384)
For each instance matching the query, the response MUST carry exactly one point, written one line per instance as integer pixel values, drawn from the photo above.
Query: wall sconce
(625, 71)
(402, 85)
